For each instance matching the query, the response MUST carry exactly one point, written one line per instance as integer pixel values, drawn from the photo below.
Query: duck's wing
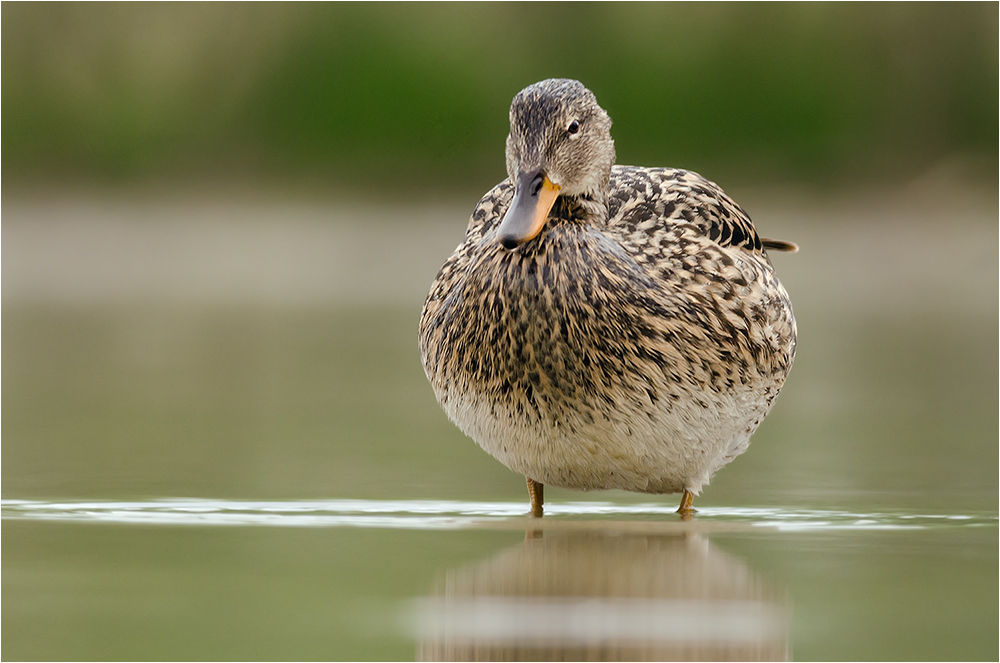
(485, 217)
(717, 295)
(489, 212)
(652, 207)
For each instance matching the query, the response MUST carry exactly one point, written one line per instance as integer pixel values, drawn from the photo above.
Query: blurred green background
(413, 97)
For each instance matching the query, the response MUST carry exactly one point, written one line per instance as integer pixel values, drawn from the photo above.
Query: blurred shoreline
(921, 247)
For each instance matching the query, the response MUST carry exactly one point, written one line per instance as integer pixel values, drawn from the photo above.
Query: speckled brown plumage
(635, 342)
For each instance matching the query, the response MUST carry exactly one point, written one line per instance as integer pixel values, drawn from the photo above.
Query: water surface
(218, 443)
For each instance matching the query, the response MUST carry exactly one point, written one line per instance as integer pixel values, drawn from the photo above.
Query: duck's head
(559, 145)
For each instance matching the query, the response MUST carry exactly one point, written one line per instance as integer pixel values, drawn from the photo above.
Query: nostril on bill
(509, 242)
(536, 185)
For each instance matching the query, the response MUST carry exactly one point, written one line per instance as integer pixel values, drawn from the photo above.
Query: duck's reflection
(603, 596)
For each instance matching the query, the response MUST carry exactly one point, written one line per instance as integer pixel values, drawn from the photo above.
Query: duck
(605, 326)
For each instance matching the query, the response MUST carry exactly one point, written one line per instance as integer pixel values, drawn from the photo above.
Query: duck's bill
(534, 195)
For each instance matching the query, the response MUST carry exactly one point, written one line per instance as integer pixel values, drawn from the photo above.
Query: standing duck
(605, 326)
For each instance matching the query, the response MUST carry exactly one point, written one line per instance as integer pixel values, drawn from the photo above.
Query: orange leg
(685, 509)
(536, 492)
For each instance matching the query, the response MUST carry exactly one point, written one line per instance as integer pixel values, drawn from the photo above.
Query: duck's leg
(685, 509)
(536, 493)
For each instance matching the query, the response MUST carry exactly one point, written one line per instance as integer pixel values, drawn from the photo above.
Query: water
(431, 514)
(218, 444)
(345, 579)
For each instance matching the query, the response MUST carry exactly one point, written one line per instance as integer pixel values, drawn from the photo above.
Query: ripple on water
(430, 514)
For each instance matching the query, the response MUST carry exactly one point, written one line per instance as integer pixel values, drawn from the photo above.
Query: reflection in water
(600, 596)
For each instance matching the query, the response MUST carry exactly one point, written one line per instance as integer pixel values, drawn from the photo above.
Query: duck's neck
(591, 207)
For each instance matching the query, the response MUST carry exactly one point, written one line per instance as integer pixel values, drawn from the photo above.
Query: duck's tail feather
(779, 245)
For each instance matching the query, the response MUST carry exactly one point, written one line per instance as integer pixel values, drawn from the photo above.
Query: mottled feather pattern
(605, 326)
(640, 354)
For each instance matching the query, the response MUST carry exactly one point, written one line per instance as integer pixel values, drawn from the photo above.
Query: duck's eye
(573, 127)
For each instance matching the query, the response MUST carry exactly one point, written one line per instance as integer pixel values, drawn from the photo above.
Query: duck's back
(653, 201)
